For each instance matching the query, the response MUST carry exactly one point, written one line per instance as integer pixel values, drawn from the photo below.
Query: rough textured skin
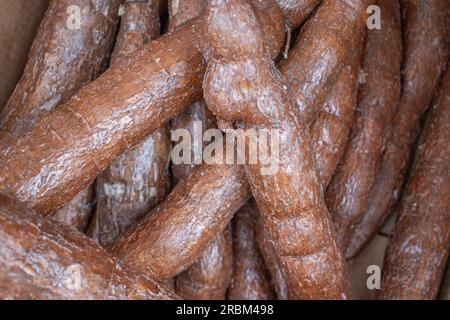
(426, 40)
(172, 237)
(139, 24)
(273, 23)
(271, 259)
(332, 122)
(326, 154)
(20, 17)
(233, 188)
(181, 11)
(77, 141)
(417, 253)
(61, 61)
(187, 120)
(250, 279)
(296, 11)
(323, 47)
(43, 259)
(348, 193)
(139, 179)
(209, 277)
(132, 99)
(131, 186)
(77, 212)
(243, 86)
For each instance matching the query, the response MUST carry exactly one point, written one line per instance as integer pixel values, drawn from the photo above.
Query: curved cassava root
(231, 180)
(323, 48)
(209, 276)
(77, 142)
(43, 259)
(250, 279)
(348, 193)
(426, 51)
(174, 235)
(61, 61)
(418, 249)
(138, 179)
(239, 72)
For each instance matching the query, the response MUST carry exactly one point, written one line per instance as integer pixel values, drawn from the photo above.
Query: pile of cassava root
(94, 206)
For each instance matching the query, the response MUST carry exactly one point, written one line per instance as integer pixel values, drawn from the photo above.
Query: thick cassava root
(312, 265)
(417, 253)
(43, 259)
(348, 193)
(77, 142)
(173, 236)
(324, 46)
(139, 179)
(352, 124)
(60, 62)
(426, 51)
(209, 277)
(250, 279)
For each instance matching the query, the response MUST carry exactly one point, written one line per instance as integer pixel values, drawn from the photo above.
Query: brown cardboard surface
(19, 20)
(373, 254)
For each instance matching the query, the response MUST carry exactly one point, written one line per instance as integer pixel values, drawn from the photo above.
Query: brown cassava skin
(331, 126)
(323, 47)
(250, 279)
(139, 179)
(271, 259)
(274, 27)
(296, 11)
(348, 193)
(330, 113)
(234, 182)
(77, 212)
(76, 141)
(209, 277)
(243, 86)
(60, 62)
(181, 11)
(187, 120)
(417, 253)
(185, 60)
(229, 181)
(43, 259)
(336, 96)
(426, 50)
(131, 186)
(172, 237)
(139, 24)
